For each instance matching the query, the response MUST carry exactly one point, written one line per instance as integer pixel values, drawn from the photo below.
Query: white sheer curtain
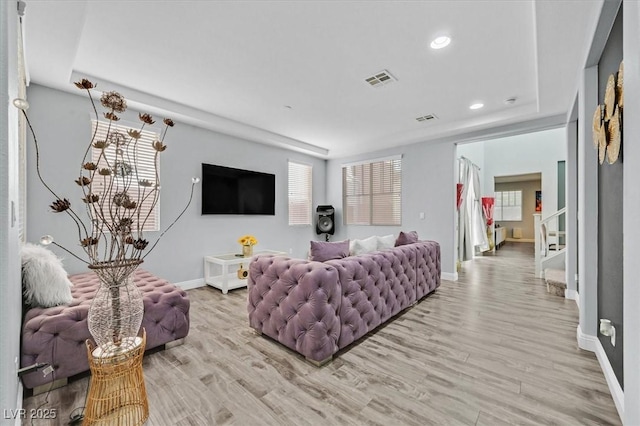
(471, 229)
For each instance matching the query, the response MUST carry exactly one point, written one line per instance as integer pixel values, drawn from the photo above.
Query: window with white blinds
(129, 166)
(372, 192)
(508, 206)
(300, 187)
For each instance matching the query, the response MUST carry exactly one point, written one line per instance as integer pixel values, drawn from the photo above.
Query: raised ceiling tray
(610, 97)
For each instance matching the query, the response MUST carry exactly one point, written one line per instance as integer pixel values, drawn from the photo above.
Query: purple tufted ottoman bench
(57, 335)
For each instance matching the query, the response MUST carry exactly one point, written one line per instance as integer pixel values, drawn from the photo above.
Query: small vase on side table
(490, 238)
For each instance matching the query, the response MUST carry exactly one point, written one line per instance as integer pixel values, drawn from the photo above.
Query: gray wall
(62, 124)
(10, 284)
(427, 186)
(610, 205)
(528, 189)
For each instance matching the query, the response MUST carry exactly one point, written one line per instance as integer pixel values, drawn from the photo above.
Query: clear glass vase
(115, 315)
(247, 250)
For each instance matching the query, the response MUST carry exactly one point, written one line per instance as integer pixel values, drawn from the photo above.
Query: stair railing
(550, 237)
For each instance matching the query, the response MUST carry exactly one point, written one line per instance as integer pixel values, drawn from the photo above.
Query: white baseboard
(450, 276)
(521, 240)
(592, 344)
(586, 341)
(572, 295)
(188, 285)
(19, 402)
(199, 282)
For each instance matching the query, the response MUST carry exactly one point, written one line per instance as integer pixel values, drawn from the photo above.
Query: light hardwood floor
(492, 348)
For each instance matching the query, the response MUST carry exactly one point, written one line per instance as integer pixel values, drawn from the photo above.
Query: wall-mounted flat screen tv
(235, 191)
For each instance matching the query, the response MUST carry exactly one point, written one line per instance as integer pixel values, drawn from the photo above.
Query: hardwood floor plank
(501, 417)
(493, 348)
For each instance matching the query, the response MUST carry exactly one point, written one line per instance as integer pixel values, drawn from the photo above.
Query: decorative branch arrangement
(112, 197)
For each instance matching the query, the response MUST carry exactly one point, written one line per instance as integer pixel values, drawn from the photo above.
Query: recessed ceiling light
(476, 106)
(440, 42)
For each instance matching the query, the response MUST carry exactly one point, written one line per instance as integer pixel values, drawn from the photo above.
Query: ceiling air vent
(426, 117)
(380, 79)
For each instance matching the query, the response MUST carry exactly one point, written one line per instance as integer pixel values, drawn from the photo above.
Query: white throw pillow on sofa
(44, 280)
(386, 242)
(363, 246)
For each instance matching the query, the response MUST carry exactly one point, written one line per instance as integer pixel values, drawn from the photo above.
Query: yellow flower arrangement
(248, 240)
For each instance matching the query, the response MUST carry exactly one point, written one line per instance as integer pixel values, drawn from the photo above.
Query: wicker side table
(117, 393)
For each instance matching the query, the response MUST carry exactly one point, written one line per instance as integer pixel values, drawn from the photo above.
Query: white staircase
(556, 281)
(550, 242)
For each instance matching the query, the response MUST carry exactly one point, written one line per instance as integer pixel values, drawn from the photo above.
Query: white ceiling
(235, 66)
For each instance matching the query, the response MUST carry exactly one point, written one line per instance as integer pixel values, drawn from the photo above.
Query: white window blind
(129, 168)
(372, 192)
(508, 206)
(300, 187)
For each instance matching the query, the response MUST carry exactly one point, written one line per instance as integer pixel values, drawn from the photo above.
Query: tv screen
(235, 191)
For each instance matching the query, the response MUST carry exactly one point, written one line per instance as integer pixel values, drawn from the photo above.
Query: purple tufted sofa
(57, 335)
(319, 308)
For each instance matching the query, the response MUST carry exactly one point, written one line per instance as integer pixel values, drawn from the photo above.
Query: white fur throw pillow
(386, 242)
(44, 280)
(363, 246)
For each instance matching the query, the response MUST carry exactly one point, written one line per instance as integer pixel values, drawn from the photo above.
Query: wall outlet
(290, 251)
(422, 215)
(47, 371)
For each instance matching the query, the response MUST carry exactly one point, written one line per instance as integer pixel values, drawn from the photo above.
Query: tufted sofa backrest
(317, 308)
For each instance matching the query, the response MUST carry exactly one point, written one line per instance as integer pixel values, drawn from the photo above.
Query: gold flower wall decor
(607, 119)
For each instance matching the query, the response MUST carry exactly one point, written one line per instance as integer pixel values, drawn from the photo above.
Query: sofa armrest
(428, 267)
(295, 302)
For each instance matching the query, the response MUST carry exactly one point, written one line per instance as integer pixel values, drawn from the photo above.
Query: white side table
(228, 280)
